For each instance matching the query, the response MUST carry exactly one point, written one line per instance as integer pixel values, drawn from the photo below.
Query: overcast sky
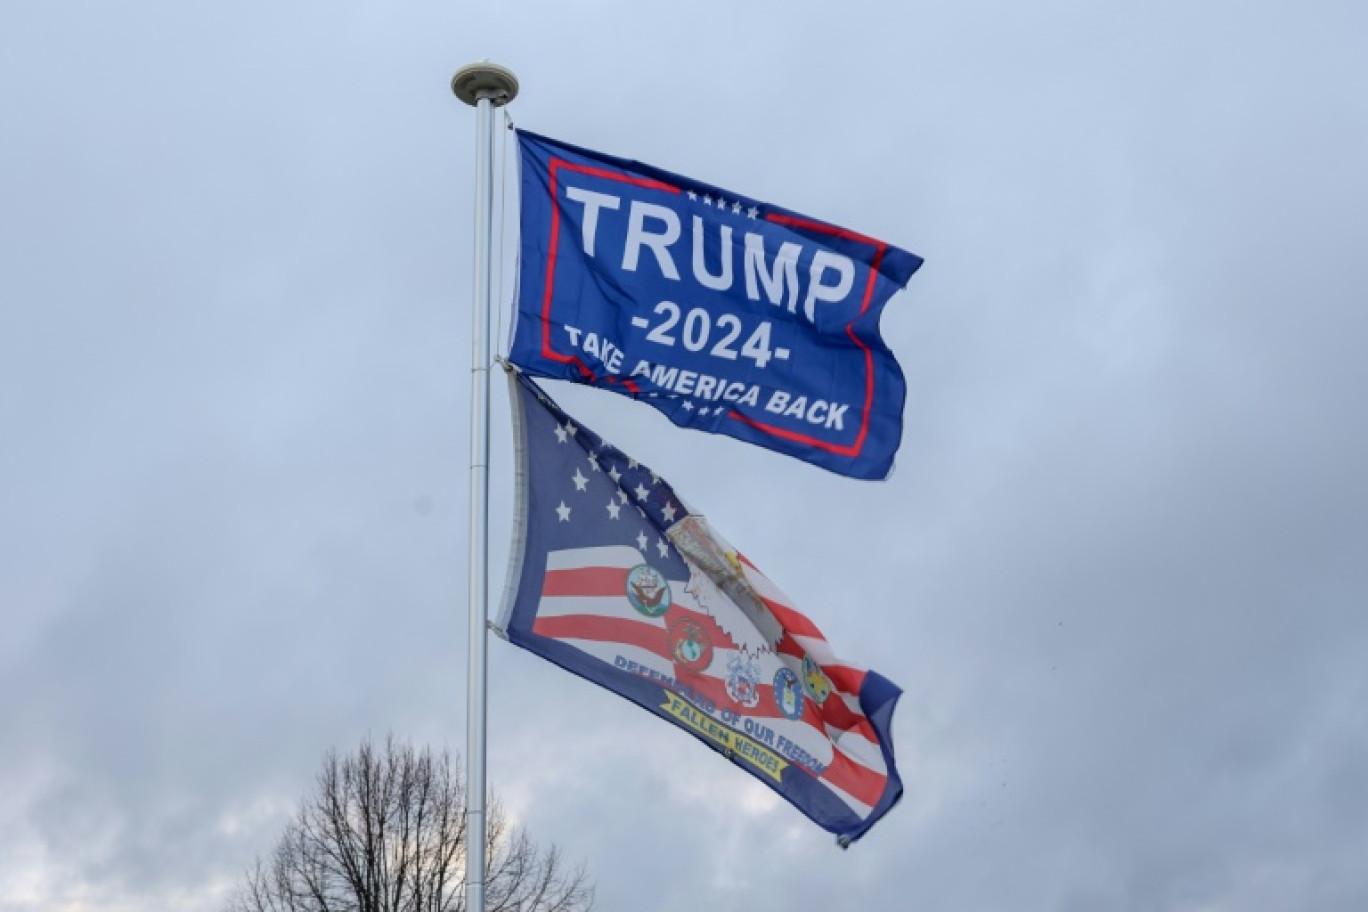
(1120, 571)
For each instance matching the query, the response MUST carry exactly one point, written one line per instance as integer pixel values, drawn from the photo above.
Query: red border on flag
(852, 450)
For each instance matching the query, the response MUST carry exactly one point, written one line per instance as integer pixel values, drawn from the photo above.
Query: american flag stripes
(616, 579)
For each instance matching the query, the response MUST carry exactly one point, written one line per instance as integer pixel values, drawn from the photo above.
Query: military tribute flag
(614, 578)
(727, 314)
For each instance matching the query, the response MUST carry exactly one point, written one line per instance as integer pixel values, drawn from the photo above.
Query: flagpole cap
(485, 79)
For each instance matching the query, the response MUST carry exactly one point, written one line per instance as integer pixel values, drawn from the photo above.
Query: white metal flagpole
(485, 86)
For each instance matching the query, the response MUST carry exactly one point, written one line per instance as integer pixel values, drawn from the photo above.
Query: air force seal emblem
(648, 590)
(788, 693)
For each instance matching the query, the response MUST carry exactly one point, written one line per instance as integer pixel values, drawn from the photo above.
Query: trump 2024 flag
(614, 578)
(727, 314)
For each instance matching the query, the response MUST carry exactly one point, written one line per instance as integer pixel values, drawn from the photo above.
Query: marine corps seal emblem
(690, 645)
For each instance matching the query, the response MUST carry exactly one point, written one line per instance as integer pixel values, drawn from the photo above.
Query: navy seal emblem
(648, 590)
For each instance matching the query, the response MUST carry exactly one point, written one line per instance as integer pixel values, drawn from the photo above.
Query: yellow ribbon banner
(735, 743)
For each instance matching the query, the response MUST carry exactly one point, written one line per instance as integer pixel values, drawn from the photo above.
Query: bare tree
(384, 831)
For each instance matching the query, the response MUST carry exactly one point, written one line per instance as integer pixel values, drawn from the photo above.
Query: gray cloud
(1118, 571)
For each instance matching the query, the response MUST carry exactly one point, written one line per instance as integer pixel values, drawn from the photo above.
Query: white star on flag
(736, 207)
(614, 474)
(663, 548)
(614, 508)
(563, 512)
(753, 212)
(580, 481)
(641, 540)
(593, 462)
(641, 492)
(668, 512)
(561, 435)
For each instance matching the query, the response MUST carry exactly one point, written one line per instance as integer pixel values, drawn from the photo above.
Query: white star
(593, 462)
(614, 474)
(693, 195)
(707, 199)
(561, 436)
(688, 406)
(663, 548)
(614, 508)
(736, 207)
(632, 463)
(641, 492)
(563, 512)
(622, 495)
(655, 479)
(721, 203)
(641, 540)
(668, 512)
(703, 411)
(579, 480)
(753, 211)
(571, 428)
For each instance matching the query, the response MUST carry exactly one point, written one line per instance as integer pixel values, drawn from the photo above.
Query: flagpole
(485, 86)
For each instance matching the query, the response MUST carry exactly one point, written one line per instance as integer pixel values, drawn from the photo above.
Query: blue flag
(727, 314)
(613, 577)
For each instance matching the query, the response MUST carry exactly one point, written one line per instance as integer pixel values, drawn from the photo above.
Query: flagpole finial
(485, 79)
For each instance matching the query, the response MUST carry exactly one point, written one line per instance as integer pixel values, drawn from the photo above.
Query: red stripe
(641, 634)
(793, 621)
(586, 581)
(859, 781)
(838, 715)
(845, 678)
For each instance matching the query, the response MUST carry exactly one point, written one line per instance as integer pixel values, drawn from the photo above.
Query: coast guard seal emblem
(788, 694)
(648, 590)
(690, 645)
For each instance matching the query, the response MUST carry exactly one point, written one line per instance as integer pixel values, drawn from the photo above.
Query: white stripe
(616, 556)
(599, 606)
(859, 749)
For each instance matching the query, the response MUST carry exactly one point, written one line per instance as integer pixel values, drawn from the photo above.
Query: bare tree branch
(384, 831)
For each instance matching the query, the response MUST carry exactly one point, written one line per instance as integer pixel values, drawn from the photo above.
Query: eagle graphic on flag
(616, 579)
